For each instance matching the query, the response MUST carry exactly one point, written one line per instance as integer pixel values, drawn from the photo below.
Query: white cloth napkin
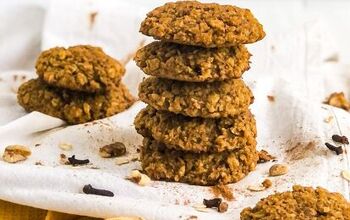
(288, 64)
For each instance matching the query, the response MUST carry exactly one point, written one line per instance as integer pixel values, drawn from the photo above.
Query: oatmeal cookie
(73, 107)
(208, 100)
(202, 24)
(197, 134)
(299, 204)
(162, 163)
(193, 64)
(80, 68)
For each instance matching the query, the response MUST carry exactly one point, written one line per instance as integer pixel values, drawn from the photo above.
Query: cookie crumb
(223, 207)
(278, 170)
(337, 99)
(264, 156)
(92, 19)
(223, 190)
(271, 98)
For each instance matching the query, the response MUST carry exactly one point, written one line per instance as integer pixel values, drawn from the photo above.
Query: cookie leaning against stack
(197, 126)
(78, 84)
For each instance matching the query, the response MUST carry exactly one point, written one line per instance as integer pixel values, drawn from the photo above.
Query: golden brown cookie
(300, 204)
(162, 163)
(202, 24)
(197, 134)
(208, 100)
(73, 107)
(193, 64)
(80, 68)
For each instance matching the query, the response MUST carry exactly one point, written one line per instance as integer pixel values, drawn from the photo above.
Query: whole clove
(340, 139)
(212, 203)
(88, 189)
(73, 161)
(337, 150)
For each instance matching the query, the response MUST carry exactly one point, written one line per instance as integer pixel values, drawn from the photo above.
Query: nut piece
(65, 146)
(346, 174)
(139, 178)
(116, 149)
(16, 153)
(278, 170)
(223, 207)
(257, 188)
(338, 100)
(201, 208)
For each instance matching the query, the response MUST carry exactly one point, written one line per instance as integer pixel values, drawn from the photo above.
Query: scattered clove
(337, 150)
(340, 139)
(88, 189)
(73, 161)
(212, 203)
(216, 203)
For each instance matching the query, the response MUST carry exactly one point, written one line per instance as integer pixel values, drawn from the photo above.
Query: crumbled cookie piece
(192, 64)
(271, 98)
(116, 149)
(222, 190)
(264, 156)
(16, 153)
(338, 100)
(202, 24)
(300, 204)
(278, 170)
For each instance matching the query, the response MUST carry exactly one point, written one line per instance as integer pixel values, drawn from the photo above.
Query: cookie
(162, 163)
(197, 134)
(80, 68)
(299, 204)
(193, 64)
(73, 107)
(202, 24)
(208, 100)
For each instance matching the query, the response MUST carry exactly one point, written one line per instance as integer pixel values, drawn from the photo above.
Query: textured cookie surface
(216, 99)
(193, 64)
(80, 68)
(73, 107)
(300, 204)
(197, 134)
(162, 163)
(202, 24)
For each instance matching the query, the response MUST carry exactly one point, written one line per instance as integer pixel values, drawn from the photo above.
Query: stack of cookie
(78, 84)
(197, 126)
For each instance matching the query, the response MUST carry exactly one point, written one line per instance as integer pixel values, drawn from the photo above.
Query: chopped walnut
(139, 178)
(338, 100)
(16, 153)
